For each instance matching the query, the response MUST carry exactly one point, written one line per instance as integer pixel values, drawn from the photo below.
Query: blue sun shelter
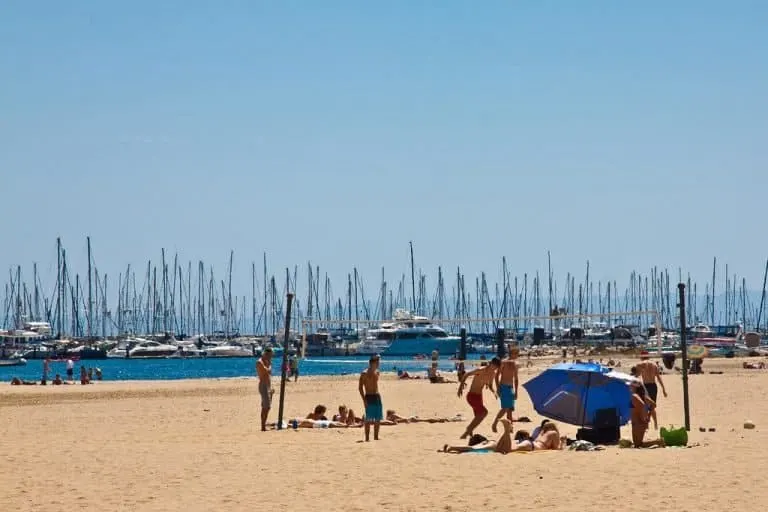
(580, 393)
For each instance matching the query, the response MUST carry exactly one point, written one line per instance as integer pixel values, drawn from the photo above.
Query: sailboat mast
(90, 291)
(413, 282)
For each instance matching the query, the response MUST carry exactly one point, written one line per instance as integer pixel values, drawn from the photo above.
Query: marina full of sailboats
(169, 309)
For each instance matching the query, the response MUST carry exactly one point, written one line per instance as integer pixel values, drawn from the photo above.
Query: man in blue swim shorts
(506, 383)
(368, 386)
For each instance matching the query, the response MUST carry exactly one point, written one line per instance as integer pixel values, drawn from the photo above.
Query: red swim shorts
(475, 400)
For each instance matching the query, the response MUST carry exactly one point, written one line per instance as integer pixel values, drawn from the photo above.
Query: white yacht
(151, 348)
(229, 349)
(409, 335)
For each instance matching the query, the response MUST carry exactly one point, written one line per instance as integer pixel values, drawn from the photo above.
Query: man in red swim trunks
(481, 377)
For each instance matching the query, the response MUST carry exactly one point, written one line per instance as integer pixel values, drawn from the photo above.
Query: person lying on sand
(18, 382)
(392, 417)
(549, 439)
(310, 423)
(404, 375)
(753, 366)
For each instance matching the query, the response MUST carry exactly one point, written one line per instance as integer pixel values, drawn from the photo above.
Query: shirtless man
(506, 383)
(649, 373)
(264, 371)
(368, 386)
(481, 377)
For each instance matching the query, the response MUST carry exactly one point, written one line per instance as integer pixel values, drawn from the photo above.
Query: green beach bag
(674, 436)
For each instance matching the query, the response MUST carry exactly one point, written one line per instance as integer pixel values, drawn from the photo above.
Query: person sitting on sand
(84, 376)
(57, 380)
(642, 405)
(347, 416)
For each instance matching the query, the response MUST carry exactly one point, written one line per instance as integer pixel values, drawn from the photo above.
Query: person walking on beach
(506, 384)
(649, 373)
(368, 386)
(264, 372)
(481, 377)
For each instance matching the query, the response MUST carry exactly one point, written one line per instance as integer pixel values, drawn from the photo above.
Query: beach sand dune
(196, 446)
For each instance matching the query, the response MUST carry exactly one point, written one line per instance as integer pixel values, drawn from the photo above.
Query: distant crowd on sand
(500, 377)
(87, 375)
(368, 387)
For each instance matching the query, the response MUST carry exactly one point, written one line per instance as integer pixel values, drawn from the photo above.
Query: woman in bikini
(549, 439)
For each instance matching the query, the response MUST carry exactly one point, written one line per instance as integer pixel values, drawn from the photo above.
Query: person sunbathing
(393, 418)
(19, 382)
(404, 375)
(347, 416)
(318, 414)
(548, 439)
(753, 366)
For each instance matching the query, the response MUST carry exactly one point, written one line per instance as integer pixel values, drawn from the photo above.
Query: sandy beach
(196, 446)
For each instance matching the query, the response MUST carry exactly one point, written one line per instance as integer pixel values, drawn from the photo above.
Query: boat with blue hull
(408, 335)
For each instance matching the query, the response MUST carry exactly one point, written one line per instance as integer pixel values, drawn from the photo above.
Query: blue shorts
(374, 411)
(507, 397)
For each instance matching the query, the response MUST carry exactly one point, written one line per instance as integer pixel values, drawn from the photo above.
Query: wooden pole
(684, 349)
(284, 365)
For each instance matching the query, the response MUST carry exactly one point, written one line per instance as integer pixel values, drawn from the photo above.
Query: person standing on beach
(264, 372)
(481, 377)
(46, 369)
(70, 370)
(368, 386)
(506, 384)
(649, 373)
(293, 366)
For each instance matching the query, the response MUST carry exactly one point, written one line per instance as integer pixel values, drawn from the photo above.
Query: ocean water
(203, 368)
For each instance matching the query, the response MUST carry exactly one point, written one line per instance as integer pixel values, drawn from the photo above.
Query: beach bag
(674, 436)
(669, 360)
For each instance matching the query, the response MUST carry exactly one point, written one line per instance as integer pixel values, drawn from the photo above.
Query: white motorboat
(229, 349)
(151, 348)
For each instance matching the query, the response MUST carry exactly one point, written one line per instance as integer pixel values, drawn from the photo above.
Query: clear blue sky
(630, 134)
